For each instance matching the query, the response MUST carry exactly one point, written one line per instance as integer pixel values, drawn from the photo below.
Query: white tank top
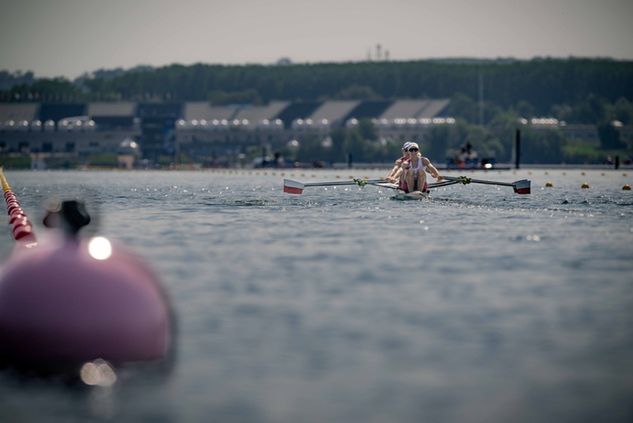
(419, 166)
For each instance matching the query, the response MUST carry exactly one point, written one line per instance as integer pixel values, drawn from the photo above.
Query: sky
(70, 37)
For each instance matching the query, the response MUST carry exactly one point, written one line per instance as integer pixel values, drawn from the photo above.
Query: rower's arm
(396, 175)
(433, 171)
(393, 173)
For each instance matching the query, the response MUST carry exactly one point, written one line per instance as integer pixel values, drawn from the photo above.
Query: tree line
(571, 87)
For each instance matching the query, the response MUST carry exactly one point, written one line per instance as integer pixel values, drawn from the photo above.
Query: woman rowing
(415, 174)
(396, 172)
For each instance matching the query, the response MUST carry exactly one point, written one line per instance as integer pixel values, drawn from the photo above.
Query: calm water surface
(341, 305)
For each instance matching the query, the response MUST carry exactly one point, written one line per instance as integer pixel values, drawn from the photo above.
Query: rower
(395, 173)
(415, 176)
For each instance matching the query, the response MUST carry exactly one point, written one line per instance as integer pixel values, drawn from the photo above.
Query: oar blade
(522, 186)
(293, 187)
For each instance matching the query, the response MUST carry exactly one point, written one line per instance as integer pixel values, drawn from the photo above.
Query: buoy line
(22, 227)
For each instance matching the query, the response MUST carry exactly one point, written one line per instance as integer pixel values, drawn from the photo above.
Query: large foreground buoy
(73, 301)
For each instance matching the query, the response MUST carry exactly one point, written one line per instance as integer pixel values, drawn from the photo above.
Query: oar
(296, 187)
(442, 184)
(520, 187)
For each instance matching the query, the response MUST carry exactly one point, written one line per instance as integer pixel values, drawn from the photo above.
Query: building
(66, 130)
(208, 132)
(200, 131)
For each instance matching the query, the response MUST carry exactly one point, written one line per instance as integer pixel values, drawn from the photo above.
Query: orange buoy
(548, 185)
(585, 186)
(626, 187)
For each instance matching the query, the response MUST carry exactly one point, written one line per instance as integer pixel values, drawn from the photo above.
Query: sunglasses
(413, 149)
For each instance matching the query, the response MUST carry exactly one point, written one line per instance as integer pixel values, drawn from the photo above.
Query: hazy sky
(69, 37)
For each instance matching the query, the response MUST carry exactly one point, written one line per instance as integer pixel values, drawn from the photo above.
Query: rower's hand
(439, 177)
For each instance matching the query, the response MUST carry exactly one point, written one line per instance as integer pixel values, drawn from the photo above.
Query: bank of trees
(573, 88)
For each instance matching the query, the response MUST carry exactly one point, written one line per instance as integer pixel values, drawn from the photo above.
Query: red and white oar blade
(522, 186)
(293, 187)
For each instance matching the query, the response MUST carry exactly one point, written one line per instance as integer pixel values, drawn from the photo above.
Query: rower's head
(414, 148)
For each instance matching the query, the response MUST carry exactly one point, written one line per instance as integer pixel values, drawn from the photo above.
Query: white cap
(406, 145)
(413, 144)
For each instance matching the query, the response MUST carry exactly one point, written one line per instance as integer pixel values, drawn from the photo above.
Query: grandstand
(201, 129)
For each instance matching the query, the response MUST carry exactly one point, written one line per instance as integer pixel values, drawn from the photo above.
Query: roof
(258, 113)
(204, 110)
(368, 109)
(404, 109)
(433, 108)
(111, 109)
(159, 110)
(58, 111)
(297, 110)
(333, 111)
(19, 111)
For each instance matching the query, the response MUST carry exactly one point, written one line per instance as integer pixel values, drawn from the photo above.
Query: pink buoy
(15, 216)
(17, 212)
(74, 300)
(22, 231)
(12, 208)
(21, 222)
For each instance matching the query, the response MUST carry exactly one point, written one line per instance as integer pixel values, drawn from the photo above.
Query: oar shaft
(478, 181)
(442, 184)
(336, 183)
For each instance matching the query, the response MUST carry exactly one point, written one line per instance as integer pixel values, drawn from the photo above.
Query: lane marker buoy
(549, 185)
(626, 187)
(22, 228)
(585, 186)
(72, 301)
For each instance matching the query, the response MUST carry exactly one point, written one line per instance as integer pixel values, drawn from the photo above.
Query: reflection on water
(341, 305)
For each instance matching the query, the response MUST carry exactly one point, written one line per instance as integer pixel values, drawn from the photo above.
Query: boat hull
(415, 195)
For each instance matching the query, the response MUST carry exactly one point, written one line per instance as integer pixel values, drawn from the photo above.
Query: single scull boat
(296, 187)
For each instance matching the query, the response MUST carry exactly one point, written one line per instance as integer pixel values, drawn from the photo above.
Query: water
(342, 305)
